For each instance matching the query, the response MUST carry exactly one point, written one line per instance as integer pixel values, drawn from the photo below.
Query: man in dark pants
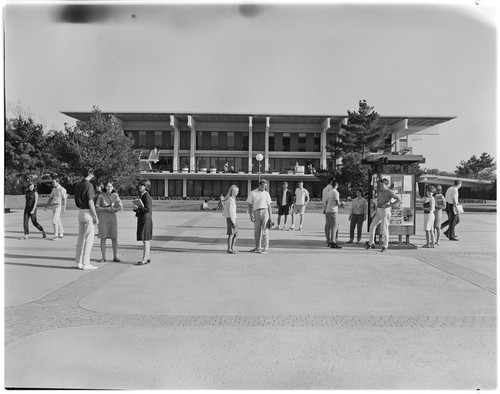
(284, 202)
(451, 198)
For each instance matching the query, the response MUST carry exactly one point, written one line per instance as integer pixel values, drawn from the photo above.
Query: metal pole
(259, 171)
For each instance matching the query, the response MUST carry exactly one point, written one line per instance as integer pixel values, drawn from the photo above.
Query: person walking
(31, 203)
(259, 208)
(451, 198)
(284, 202)
(87, 219)
(300, 201)
(324, 193)
(108, 204)
(359, 213)
(383, 215)
(438, 213)
(331, 215)
(57, 199)
(429, 206)
(230, 214)
(144, 212)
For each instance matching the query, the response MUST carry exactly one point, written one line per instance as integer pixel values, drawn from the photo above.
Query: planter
(290, 172)
(203, 170)
(185, 170)
(213, 170)
(241, 172)
(275, 172)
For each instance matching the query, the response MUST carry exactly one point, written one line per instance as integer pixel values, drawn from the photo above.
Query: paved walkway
(301, 317)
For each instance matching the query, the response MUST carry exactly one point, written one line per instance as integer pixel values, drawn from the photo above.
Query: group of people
(259, 209)
(97, 210)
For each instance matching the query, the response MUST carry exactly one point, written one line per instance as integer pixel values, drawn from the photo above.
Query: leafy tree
(477, 168)
(435, 171)
(361, 134)
(100, 143)
(26, 154)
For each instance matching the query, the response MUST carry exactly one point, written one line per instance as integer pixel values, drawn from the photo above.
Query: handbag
(269, 224)
(458, 209)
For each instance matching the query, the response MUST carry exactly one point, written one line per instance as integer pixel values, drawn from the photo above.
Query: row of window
(239, 141)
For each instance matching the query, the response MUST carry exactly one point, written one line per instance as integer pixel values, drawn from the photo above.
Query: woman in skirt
(429, 208)
(143, 212)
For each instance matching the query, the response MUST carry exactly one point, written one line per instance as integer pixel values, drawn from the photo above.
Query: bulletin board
(403, 217)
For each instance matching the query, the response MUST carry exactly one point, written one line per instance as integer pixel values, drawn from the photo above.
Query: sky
(405, 59)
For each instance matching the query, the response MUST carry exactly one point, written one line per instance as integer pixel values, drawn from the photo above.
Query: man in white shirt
(284, 202)
(57, 199)
(259, 208)
(451, 198)
(331, 214)
(300, 201)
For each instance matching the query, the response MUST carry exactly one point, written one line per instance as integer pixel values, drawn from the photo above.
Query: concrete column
(266, 145)
(249, 186)
(323, 141)
(184, 187)
(192, 158)
(165, 192)
(174, 123)
(250, 144)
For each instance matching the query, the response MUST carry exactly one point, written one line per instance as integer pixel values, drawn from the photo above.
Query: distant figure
(204, 205)
(31, 197)
(300, 201)
(324, 203)
(259, 209)
(87, 219)
(429, 208)
(144, 214)
(359, 213)
(331, 216)
(451, 197)
(230, 214)
(220, 205)
(226, 167)
(98, 190)
(284, 202)
(108, 204)
(57, 199)
(438, 213)
(232, 169)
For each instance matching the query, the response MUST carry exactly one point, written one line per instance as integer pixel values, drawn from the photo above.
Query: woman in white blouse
(230, 214)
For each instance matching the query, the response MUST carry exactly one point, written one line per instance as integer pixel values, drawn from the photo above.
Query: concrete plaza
(302, 317)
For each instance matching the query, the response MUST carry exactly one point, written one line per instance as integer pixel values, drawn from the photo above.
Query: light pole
(259, 158)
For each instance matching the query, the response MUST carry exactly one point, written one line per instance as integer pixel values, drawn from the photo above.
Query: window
(142, 139)
(185, 140)
(199, 140)
(286, 142)
(214, 140)
(230, 140)
(245, 142)
(271, 142)
(158, 139)
(302, 142)
(317, 142)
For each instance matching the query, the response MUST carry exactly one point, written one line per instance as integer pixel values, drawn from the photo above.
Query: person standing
(359, 213)
(230, 214)
(57, 199)
(324, 193)
(144, 220)
(331, 215)
(259, 208)
(98, 190)
(438, 213)
(31, 197)
(108, 204)
(300, 201)
(284, 202)
(429, 206)
(451, 198)
(383, 215)
(87, 219)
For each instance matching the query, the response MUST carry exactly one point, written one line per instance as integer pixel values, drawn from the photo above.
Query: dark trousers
(452, 220)
(27, 216)
(356, 220)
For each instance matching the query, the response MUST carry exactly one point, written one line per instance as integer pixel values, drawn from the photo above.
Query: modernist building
(201, 154)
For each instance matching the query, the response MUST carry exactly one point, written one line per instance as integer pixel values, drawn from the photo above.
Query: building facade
(201, 155)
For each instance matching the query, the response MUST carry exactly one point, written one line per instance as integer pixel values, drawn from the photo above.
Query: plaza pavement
(302, 317)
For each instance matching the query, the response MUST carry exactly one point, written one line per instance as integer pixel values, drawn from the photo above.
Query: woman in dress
(429, 208)
(107, 205)
(143, 212)
(230, 215)
(30, 211)
(440, 207)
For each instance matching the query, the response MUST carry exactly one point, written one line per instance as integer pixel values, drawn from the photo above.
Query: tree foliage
(477, 168)
(361, 134)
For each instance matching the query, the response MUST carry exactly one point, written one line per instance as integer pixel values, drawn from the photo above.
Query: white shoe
(79, 266)
(55, 238)
(24, 237)
(300, 228)
(89, 267)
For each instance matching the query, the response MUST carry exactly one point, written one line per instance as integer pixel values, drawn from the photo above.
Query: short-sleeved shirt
(58, 194)
(332, 198)
(84, 192)
(300, 196)
(385, 197)
(259, 199)
(451, 195)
